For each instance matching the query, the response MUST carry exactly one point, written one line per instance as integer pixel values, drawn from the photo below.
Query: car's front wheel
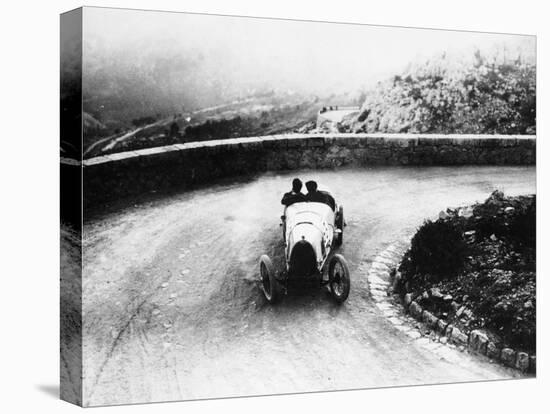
(269, 283)
(339, 278)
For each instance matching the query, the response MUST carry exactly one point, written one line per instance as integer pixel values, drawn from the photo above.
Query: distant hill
(477, 94)
(257, 115)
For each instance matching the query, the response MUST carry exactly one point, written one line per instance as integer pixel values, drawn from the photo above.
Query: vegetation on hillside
(479, 95)
(257, 116)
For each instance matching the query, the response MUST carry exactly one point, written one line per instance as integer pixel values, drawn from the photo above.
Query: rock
(425, 295)
(407, 300)
(429, 319)
(443, 215)
(155, 312)
(164, 285)
(508, 357)
(528, 304)
(478, 342)
(493, 351)
(458, 337)
(447, 298)
(415, 310)
(455, 306)
(460, 311)
(435, 293)
(493, 237)
(496, 196)
(184, 272)
(522, 361)
(466, 212)
(470, 233)
(441, 326)
(509, 210)
(443, 339)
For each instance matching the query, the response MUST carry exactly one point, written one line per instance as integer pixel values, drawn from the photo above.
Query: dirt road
(172, 309)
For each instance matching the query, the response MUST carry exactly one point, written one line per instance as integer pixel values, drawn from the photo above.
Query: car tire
(269, 284)
(339, 278)
(339, 222)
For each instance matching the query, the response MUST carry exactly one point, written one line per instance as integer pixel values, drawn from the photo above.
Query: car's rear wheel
(339, 222)
(339, 278)
(269, 283)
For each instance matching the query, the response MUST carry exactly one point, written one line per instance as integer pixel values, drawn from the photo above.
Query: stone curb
(476, 341)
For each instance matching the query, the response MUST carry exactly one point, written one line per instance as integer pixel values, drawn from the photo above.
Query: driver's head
(311, 186)
(296, 185)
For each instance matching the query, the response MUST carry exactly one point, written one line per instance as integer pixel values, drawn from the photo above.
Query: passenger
(315, 195)
(294, 196)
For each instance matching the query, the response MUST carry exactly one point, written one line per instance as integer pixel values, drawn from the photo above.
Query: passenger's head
(296, 185)
(311, 186)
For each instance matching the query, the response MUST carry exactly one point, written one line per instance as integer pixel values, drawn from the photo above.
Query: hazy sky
(293, 54)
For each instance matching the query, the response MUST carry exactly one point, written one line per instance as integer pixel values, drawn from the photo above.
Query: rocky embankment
(474, 269)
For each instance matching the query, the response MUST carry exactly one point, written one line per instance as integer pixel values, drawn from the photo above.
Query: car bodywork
(309, 234)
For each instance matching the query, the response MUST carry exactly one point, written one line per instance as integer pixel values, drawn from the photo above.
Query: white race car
(311, 230)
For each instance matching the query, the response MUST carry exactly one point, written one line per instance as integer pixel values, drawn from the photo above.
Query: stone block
(478, 342)
(458, 337)
(296, 142)
(441, 326)
(522, 361)
(508, 357)
(429, 319)
(415, 310)
(493, 351)
(316, 142)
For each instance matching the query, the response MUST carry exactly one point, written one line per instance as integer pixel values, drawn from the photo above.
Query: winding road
(172, 309)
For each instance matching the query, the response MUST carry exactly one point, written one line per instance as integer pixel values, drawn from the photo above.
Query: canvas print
(255, 206)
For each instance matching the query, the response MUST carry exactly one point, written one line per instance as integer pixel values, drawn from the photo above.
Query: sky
(308, 56)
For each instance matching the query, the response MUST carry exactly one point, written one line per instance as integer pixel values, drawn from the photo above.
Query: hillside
(270, 113)
(478, 94)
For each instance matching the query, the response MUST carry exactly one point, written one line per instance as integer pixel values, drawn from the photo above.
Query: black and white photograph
(270, 207)
(255, 206)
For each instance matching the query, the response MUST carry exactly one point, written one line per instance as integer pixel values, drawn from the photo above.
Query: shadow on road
(51, 390)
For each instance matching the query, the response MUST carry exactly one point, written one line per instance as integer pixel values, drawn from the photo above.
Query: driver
(313, 194)
(294, 196)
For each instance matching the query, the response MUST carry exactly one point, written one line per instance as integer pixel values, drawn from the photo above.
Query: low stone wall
(184, 165)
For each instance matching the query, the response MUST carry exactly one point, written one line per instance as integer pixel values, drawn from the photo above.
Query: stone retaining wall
(183, 165)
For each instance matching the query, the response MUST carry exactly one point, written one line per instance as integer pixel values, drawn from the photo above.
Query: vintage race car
(311, 231)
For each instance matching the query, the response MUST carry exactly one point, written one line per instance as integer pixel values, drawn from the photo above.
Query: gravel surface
(172, 309)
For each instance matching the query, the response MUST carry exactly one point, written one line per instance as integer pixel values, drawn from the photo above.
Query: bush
(437, 250)
(517, 226)
(476, 94)
(524, 225)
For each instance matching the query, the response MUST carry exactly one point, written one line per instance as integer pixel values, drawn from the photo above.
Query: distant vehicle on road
(311, 231)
